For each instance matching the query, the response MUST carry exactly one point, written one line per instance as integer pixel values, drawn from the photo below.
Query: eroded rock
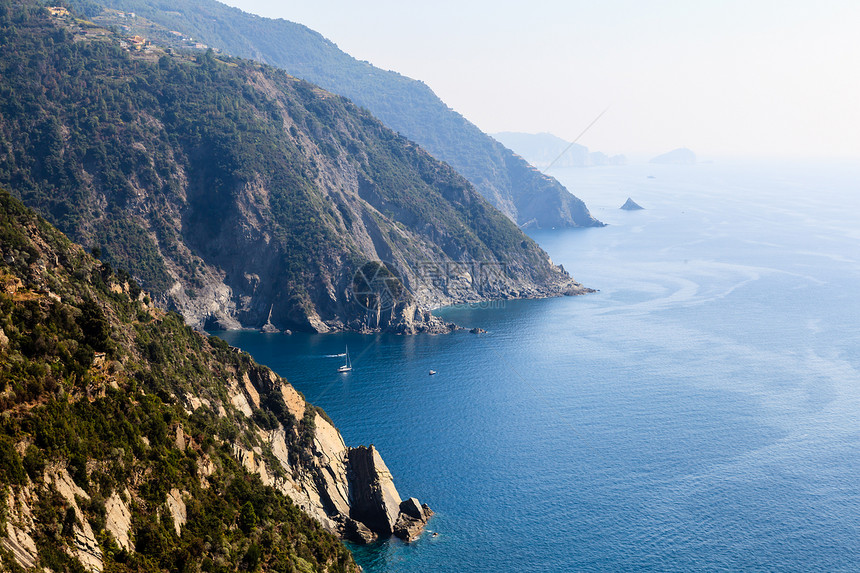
(412, 519)
(374, 500)
(177, 509)
(118, 521)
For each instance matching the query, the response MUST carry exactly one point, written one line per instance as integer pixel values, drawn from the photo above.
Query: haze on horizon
(732, 78)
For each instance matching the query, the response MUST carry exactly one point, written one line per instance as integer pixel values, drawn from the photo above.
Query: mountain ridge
(236, 193)
(527, 196)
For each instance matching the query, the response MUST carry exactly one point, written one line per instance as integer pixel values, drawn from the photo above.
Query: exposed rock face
(177, 509)
(19, 522)
(357, 532)
(631, 205)
(412, 519)
(21, 546)
(350, 491)
(86, 547)
(375, 501)
(118, 521)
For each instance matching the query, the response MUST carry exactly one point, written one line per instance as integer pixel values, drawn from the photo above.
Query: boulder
(357, 532)
(412, 519)
(412, 508)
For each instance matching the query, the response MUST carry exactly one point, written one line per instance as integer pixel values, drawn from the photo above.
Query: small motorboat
(432, 372)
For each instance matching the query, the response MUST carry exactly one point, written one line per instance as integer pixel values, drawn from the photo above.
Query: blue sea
(700, 412)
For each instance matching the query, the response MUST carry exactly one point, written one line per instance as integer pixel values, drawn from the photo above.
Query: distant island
(543, 149)
(631, 205)
(680, 156)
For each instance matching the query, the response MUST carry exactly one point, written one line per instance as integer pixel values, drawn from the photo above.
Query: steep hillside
(240, 195)
(129, 442)
(408, 106)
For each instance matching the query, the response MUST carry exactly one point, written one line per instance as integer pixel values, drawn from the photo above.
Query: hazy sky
(721, 77)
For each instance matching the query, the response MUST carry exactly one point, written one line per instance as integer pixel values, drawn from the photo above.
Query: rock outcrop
(412, 519)
(176, 506)
(19, 524)
(350, 491)
(631, 205)
(84, 545)
(375, 501)
(118, 521)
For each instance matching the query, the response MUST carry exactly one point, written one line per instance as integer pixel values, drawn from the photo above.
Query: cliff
(405, 105)
(242, 196)
(130, 442)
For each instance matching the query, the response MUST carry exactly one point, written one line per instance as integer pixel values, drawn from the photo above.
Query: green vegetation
(86, 125)
(403, 104)
(95, 380)
(199, 168)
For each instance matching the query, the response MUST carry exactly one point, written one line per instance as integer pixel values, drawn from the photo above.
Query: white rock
(237, 397)
(118, 521)
(177, 509)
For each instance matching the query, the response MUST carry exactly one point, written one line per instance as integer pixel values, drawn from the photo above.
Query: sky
(724, 78)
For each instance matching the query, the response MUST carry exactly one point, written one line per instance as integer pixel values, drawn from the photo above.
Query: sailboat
(347, 365)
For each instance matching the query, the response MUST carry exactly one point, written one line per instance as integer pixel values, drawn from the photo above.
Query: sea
(700, 412)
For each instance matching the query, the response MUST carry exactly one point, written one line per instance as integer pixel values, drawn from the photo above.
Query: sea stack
(631, 205)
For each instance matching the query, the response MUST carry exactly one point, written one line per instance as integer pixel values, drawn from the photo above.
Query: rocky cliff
(130, 442)
(405, 105)
(241, 196)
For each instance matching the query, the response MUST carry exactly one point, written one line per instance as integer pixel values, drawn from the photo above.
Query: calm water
(701, 412)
